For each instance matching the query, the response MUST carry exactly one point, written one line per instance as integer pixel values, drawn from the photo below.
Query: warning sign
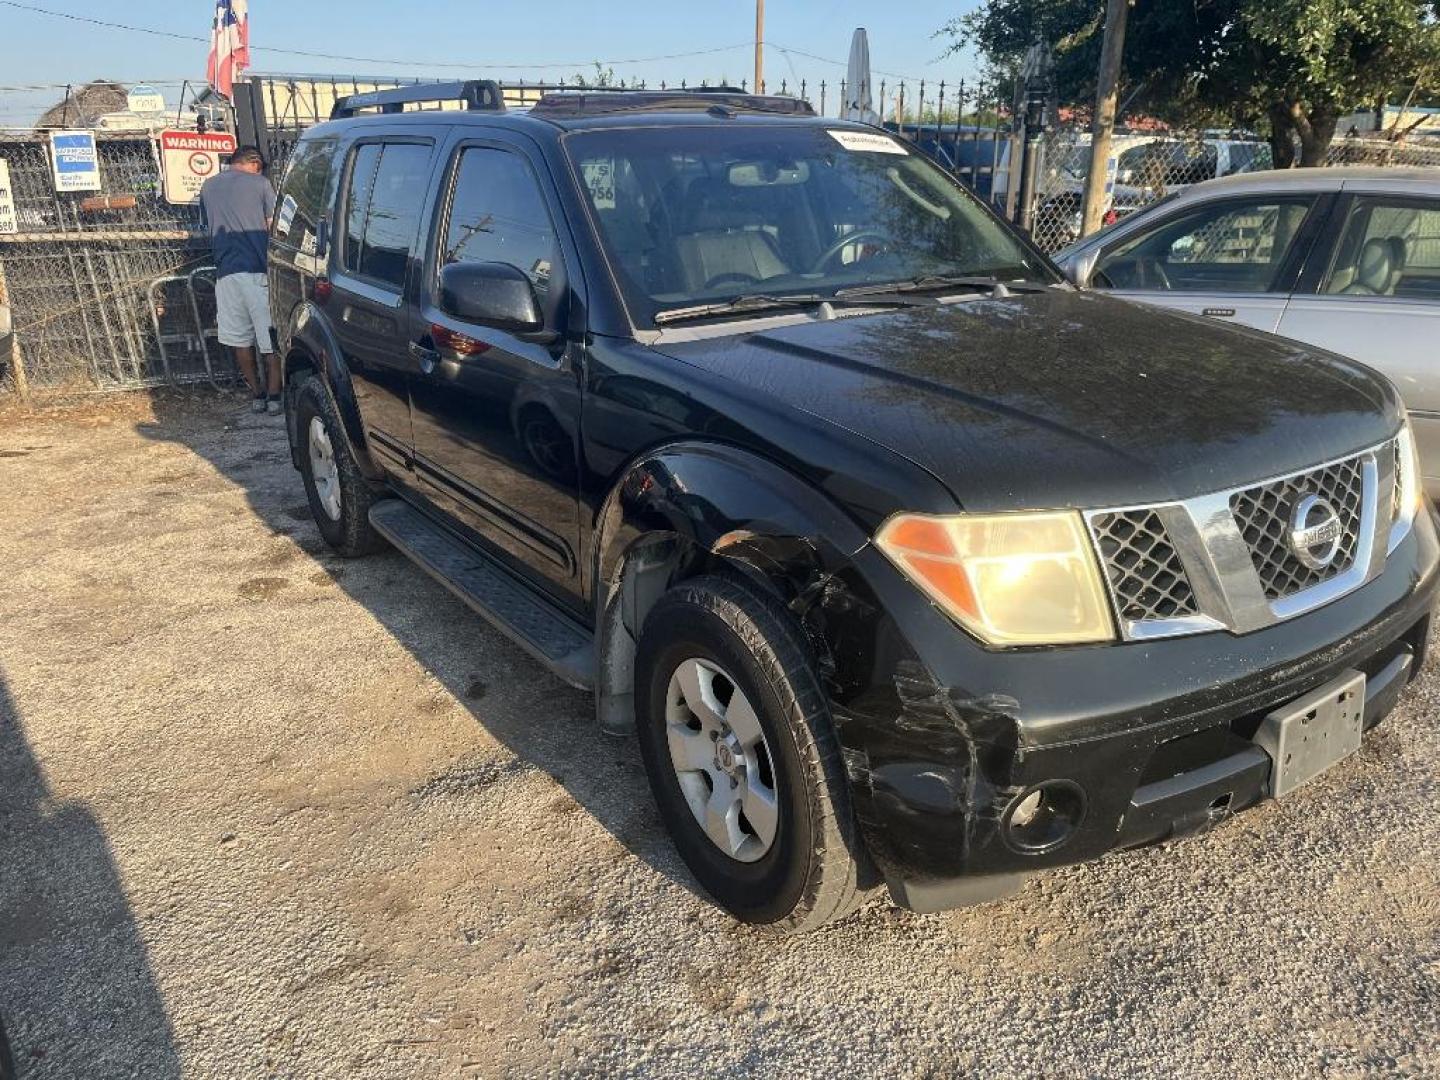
(189, 159)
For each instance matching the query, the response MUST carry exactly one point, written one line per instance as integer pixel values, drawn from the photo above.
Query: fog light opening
(1045, 817)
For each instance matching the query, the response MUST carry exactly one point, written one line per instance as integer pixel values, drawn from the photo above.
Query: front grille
(1146, 573)
(1263, 515)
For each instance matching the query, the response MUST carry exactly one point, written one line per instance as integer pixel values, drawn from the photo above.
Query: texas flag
(229, 44)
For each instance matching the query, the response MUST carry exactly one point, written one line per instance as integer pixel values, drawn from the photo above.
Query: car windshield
(699, 216)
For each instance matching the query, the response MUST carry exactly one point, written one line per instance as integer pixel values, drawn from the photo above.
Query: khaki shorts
(242, 303)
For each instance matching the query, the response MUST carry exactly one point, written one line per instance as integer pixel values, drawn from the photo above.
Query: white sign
(9, 222)
(868, 142)
(286, 217)
(189, 158)
(145, 99)
(599, 176)
(76, 162)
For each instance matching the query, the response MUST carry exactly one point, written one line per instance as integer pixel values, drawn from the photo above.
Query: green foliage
(603, 77)
(1299, 64)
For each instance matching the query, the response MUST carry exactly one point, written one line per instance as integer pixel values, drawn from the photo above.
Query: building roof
(84, 105)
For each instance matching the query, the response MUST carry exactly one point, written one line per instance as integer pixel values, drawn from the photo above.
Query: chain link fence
(108, 289)
(1151, 165)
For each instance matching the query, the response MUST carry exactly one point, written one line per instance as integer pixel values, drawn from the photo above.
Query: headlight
(1009, 579)
(1409, 493)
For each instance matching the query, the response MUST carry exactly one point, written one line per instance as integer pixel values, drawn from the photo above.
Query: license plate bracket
(1314, 733)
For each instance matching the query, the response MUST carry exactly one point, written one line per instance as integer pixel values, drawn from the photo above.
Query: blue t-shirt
(236, 206)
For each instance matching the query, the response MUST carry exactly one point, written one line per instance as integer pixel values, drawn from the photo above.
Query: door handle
(426, 356)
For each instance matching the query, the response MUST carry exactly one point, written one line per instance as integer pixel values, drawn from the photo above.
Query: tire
(810, 872)
(341, 501)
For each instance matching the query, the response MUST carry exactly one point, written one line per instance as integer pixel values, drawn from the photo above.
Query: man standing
(237, 205)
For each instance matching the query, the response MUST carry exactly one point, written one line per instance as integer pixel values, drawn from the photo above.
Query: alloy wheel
(323, 469)
(722, 760)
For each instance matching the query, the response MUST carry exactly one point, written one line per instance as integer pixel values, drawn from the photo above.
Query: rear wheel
(340, 498)
(738, 744)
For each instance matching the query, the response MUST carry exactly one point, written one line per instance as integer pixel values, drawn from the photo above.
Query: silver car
(1345, 258)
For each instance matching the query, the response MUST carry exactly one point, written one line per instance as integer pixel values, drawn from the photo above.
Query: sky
(538, 39)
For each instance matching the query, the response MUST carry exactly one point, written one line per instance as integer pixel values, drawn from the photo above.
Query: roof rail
(577, 103)
(477, 94)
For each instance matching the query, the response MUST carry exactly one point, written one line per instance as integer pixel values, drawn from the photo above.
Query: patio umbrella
(858, 99)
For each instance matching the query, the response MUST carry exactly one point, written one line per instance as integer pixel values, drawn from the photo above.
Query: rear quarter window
(305, 193)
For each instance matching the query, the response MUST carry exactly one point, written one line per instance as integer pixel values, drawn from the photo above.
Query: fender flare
(721, 499)
(310, 333)
(690, 505)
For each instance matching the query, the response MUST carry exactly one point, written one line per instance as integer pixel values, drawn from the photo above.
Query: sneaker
(273, 407)
(258, 405)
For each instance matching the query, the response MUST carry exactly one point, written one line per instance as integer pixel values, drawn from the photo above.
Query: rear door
(385, 185)
(1376, 299)
(1234, 259)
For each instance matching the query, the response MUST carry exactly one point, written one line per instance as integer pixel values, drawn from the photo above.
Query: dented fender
(728, 502)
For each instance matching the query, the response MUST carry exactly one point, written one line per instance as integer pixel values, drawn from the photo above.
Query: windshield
(700, 215)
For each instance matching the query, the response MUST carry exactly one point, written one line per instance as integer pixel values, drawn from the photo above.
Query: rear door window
(357, 202)
(1389, 247)
(1240, 245)
(386, 195)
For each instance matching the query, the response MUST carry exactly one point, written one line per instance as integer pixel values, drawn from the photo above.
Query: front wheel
(738, 744)
(340, 497)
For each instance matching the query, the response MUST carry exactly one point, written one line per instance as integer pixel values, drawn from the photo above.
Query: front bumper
(944, 737)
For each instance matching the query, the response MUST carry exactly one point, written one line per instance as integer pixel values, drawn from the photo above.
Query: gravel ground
(268, 813)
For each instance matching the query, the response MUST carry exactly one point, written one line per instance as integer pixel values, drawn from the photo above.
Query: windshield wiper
(764, 302)
(934, 282)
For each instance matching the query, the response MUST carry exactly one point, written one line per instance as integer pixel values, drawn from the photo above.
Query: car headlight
(1009, 579)
(1409, 492)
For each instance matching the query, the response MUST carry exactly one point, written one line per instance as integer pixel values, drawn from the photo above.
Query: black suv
(906, 562)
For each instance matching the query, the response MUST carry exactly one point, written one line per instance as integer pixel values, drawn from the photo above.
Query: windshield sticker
(287, 216)
(868, 142)
(600, 179)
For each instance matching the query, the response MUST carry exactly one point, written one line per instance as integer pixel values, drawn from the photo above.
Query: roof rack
(478, 94)
(567, 103)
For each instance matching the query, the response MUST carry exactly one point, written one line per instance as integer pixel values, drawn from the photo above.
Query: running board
(556, 640)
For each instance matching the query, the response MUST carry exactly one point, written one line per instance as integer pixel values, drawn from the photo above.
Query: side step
(556, 640)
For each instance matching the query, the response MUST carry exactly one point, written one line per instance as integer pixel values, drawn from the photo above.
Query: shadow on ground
(74, 970)
(556, 732)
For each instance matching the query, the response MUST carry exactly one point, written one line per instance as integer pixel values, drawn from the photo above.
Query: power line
(838, 63)
(37, 87)
(470, 66)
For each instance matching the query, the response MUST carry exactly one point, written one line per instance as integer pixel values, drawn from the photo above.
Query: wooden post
(16, 358)
(759, 46)
(1106, 94)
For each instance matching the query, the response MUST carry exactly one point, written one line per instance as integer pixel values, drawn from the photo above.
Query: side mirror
(491, 294)
(1078, 268)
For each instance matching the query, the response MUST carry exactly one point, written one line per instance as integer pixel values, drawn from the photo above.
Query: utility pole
(759, 87)
(1107, 92)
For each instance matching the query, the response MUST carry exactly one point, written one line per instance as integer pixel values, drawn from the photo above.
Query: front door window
(1236, 246)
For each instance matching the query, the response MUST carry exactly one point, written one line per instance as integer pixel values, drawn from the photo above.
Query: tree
(1294, 65)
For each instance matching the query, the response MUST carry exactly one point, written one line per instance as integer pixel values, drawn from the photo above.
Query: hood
(1063, 398)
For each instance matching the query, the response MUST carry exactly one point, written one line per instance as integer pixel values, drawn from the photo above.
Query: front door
(380, 224)
(1379, 303)
(1230, 260)
(496, 414)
